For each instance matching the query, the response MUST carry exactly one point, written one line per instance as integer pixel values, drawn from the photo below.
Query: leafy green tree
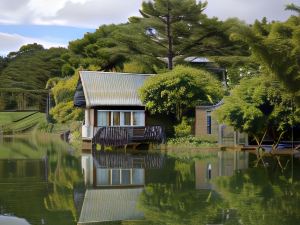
(258, 105)
(237, 67)
(146, 42)
(110, 47)
(277, 50)
(63, 91)
(3, 63)
(31, 67)
(177, 91)
(293, 7)
(67, 70)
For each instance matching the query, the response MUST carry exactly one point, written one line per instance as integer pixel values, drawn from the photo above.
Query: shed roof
(108, 88)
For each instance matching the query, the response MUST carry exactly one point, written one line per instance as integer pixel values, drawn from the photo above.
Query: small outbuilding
(207, 126)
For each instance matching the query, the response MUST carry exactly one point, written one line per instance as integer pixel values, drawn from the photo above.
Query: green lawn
(9, 117)
(17, 122)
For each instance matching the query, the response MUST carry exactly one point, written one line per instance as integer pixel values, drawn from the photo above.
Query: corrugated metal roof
(107, 88)
(101, 205)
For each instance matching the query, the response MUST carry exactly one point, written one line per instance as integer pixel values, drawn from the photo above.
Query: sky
(56, 22)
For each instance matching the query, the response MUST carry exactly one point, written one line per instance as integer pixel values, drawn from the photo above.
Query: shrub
(177, 91)
(64, 112)
(183, 129)
(191, 141)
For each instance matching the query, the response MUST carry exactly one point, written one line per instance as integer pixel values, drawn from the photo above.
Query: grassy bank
(20, 122)
(192, 142)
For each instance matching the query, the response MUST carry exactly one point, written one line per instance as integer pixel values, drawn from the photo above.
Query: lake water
(44, 181)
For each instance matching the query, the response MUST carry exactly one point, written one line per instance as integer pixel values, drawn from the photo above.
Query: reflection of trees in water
(64, 174)
(37, 201)
(164, 204)
(174, 200)
(263, 195)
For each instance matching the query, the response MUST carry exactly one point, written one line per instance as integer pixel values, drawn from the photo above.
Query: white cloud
(50, 8)
(92, 13)
(77, 13)
(13, 11)
(249, 10)
(13, 42)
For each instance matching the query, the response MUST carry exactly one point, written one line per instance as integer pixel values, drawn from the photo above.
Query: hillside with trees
(25, 72)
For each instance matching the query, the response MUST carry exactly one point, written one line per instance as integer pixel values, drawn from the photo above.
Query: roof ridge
(103, 72)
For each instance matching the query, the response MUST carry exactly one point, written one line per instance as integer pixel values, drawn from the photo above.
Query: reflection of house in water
(23, 170)
(225, 164)
(117, 180)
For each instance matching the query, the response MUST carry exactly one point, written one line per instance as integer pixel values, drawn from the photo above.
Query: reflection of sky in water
(11, 220)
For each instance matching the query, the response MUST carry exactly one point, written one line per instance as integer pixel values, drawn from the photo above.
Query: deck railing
(120, 136)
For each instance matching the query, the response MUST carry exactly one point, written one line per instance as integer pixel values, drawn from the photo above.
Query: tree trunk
(170, 42)
(259, 150)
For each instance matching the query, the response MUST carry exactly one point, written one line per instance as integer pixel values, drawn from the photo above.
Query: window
(208, 121)
(103, 118)
(120, 118)
(116, 119)
(138, 176)
(125, 177)
(138, 119)
(103, 176)
(116, 176)
(127, 118)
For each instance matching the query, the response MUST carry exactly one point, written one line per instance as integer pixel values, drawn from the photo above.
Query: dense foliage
(276, 47)
(183, 129)
(167, 32)
(179, 28)
(267, 100)
(31, 67)
(177, 91)
(63, 93)
(25, 72)
(256, 105)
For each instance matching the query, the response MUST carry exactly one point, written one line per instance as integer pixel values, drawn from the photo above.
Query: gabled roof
(211, 107)
(111, 89)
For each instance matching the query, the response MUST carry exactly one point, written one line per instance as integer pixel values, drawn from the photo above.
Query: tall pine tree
(179, 28)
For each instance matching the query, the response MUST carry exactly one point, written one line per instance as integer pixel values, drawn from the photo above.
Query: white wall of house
(87, 127)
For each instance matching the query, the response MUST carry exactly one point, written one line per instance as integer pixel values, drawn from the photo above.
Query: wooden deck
(121, 136)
